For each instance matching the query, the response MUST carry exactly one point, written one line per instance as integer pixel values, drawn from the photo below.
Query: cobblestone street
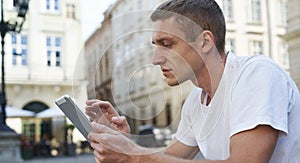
(88, 158)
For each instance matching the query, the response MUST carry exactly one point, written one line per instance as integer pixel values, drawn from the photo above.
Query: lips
(165, 71)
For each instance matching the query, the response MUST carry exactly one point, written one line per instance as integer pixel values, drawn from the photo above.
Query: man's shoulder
(259, 63)
(254, 59)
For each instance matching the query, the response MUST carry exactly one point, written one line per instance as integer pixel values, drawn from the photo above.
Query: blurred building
(44, 62)
(293, 39)
(98, 61)
(139, 91)
(257, 27)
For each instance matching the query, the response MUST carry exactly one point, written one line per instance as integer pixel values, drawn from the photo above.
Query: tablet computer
(76, 116)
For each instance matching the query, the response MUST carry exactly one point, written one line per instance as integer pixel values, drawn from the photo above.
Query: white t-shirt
(253, 91)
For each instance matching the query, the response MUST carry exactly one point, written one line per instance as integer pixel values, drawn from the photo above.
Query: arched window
(35, 106)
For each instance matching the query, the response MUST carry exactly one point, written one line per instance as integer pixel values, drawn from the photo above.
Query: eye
(166, 44)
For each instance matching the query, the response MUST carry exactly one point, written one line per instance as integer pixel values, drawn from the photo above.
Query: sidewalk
(87, 158)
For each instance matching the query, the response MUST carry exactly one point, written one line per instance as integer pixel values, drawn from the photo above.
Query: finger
(98, 147)
(93, 108)
(100, 138)
(96, 109)
(118, 120)
(92, 138)
(90, 102)
(92, 115)
(98, 128)
(104, 105)
(98, 157)
(97, 115)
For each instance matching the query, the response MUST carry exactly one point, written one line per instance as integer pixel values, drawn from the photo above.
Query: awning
(50, 113)
(12, 112)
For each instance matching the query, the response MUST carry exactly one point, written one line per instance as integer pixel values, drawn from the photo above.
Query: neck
(213, 71)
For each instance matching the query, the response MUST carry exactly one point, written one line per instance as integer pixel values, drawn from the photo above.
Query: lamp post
(5, 27)
(9, 139)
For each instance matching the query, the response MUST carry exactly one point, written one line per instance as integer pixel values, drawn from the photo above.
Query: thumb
(98, 128)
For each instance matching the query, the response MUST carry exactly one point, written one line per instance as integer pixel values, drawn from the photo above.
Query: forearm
(160, 157)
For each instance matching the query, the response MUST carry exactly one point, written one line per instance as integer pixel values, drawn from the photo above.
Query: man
(244, 109)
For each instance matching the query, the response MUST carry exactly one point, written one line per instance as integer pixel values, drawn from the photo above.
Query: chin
(172, 82)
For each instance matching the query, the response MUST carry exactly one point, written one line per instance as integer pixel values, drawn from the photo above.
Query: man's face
(177, 58)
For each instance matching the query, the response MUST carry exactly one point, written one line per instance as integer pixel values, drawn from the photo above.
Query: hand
(103, 112)
(111, 146)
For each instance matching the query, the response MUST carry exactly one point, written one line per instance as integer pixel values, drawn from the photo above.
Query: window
(13, 39)
(71, 11)
(48, 58)
(19, 44)
(57, 56)
(132, 84)
(57, 41)
(282, 17)
(24, 56)
(228, 10)
(48, 4)
(52, 5)
(256, 47)
(284, 55)
(168, 114)
(154, 115)
(230, 45)
(107, 68)
(24, 40)
(255, 12)
(54, 48)
(14, 59)
(28, 132)
(142, 78)
(117, 55)
(56, 5)
(48, 41)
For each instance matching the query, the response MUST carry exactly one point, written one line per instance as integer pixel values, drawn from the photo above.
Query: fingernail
(115, 118)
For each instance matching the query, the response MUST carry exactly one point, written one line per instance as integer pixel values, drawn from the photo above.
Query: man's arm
(255, 146)
(180, 150)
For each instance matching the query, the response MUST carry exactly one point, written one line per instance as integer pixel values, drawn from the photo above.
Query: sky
(92, 15)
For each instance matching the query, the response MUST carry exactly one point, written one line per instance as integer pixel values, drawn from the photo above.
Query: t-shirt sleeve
(260, 96)
(184, 132)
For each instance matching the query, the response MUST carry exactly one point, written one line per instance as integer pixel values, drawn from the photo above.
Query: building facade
(44, 62)
(139, 91)
(293, 39)
(98, 58)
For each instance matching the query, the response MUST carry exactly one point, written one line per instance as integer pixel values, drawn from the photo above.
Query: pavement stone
(87, 158)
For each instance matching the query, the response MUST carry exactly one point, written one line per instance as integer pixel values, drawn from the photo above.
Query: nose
(158, 58)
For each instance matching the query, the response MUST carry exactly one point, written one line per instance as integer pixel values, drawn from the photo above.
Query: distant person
(244, 109)
(45, 145)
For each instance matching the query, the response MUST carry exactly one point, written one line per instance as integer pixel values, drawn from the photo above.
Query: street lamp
(9, 139)
(5, 27)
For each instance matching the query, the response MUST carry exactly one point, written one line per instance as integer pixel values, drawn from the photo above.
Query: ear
(206, 40)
